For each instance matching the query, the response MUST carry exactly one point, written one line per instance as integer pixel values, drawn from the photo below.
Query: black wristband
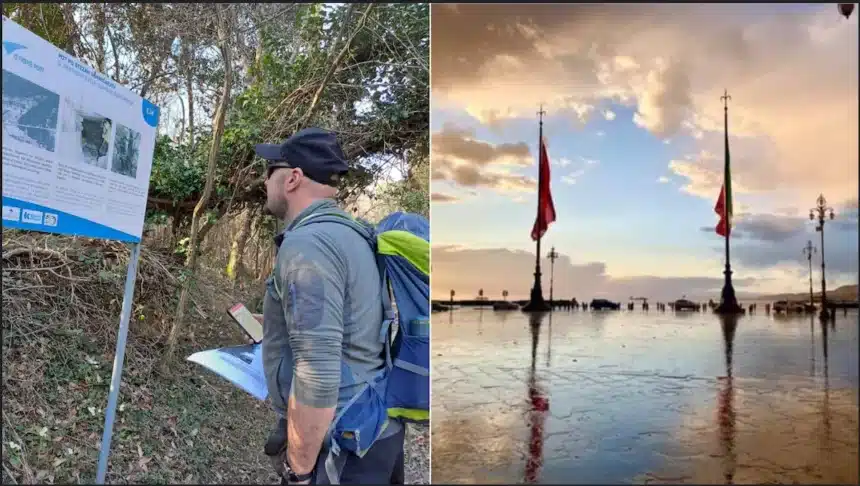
(299, 478)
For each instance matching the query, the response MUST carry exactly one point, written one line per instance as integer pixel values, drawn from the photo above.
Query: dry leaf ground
(61, 303)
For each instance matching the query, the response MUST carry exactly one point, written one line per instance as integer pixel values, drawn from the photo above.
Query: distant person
(322, 315)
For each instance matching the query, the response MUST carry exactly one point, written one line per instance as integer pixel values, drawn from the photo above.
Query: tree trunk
(235, 266)
(74, 34)
(175, 228)
(218, 131)
(100, 34)
(182, 120)
(189, 87)
(189, 93)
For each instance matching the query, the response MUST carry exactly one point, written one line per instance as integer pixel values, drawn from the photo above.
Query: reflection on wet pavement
(632, 397)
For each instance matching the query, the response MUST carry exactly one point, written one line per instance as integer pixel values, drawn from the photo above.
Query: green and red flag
(723, 208)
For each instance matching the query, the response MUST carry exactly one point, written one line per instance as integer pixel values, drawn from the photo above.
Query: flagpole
(728, 300)
(537, 303)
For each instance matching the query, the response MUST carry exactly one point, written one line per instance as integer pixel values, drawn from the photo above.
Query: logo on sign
(32, 217)
(12, 47)
(51, 219)
(150, 113)
(11, 213)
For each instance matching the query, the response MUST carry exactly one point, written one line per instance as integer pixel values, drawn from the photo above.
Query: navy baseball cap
(314, 150)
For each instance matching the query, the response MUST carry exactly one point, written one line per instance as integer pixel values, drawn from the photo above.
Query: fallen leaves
(168, 432)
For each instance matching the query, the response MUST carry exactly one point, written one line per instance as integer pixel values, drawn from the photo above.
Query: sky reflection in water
(634, 397)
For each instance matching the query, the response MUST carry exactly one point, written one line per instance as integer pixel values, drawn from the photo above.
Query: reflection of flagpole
(812, 344)
(826, 404)
(549, 342)
(726, 410)
(539, 405)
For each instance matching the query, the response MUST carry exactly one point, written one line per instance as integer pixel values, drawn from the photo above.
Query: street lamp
(821, 210)
(552, 257)
(808, 250)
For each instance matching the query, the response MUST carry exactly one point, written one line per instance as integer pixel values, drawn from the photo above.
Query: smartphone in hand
(250, 324)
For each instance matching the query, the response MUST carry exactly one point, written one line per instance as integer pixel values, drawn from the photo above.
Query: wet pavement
(630, 397)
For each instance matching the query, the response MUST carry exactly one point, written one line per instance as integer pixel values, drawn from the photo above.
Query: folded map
(240, 365)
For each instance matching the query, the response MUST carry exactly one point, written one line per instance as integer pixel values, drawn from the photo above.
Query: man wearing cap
(323, 307)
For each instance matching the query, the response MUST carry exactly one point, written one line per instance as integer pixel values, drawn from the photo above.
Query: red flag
(723, 227)
(546, 209)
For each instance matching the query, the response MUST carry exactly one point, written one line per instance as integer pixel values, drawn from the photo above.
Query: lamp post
(552, 255)
(452, 298)
(821, 210)
(808, 250)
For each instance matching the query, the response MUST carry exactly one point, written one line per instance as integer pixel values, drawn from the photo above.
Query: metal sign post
(116, 376)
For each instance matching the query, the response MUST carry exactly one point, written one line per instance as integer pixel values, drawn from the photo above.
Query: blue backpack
(401, 390)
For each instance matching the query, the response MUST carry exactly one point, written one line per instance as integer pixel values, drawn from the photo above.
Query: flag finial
(725, 98)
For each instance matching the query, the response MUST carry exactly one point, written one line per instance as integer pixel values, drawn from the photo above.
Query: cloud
(497, 269)
(792, 75)
(711, 230)
(458, 157)
(471, 176)
(663, 180)
(438, 197)
(609, 115)
(456, 144)
(572, 177)
(561, 162)
(769, 227)
(774, 240)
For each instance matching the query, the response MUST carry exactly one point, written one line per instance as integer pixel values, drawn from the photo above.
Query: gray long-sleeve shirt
(331, 311)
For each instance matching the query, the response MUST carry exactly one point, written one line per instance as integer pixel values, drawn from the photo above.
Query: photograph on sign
(77, 145)
(29, 113)
(85, 135)
(126, 151)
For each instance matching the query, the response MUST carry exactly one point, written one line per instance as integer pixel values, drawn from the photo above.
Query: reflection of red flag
(546, 209)
(537, 417)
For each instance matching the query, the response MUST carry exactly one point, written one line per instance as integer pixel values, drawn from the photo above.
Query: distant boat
(504, 305)
(603, 304)
(439, 307)
(685, 305)
(792, 307)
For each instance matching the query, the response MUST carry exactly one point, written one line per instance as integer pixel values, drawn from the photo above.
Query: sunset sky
(635, 129)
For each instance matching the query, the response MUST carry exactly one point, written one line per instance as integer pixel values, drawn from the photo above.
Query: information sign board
(77, 146)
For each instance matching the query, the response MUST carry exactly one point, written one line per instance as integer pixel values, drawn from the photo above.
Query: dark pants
(383, 464)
